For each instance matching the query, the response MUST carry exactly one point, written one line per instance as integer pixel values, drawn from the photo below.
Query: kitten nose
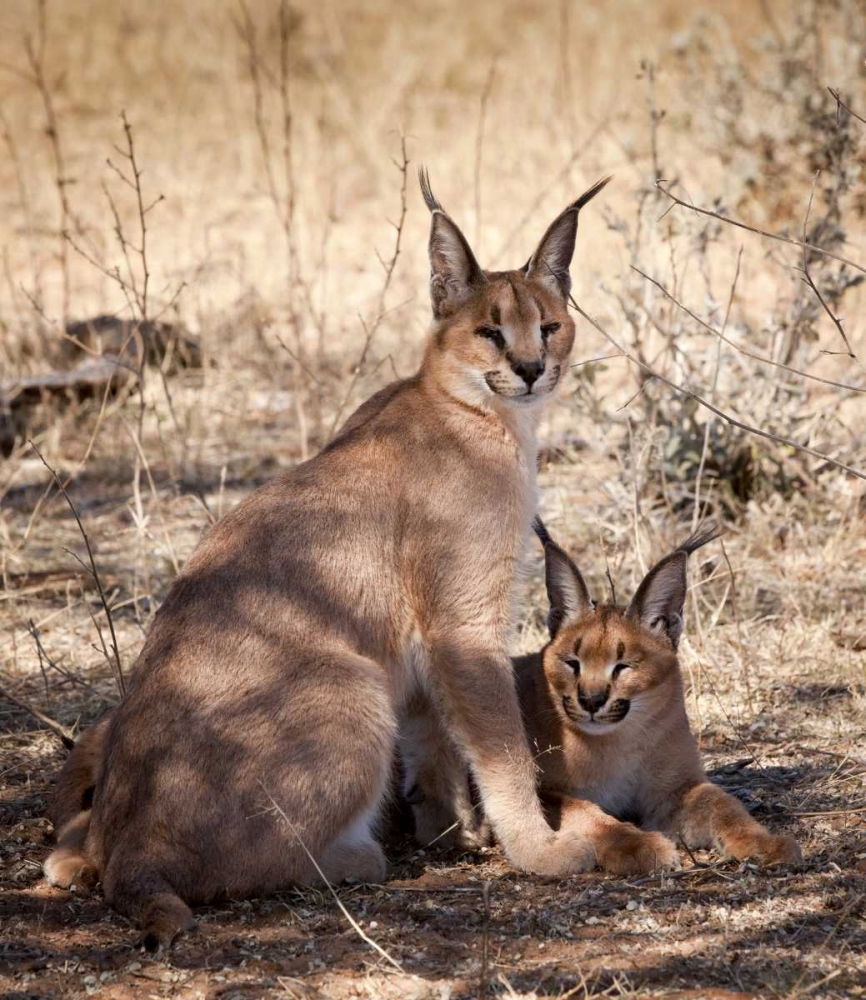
(592, 703)
(529, 371)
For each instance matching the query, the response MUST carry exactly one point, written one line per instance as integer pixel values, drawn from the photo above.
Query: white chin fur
(596, 728)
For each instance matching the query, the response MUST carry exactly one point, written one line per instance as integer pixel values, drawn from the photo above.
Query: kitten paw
(779, 850)
(634, 852)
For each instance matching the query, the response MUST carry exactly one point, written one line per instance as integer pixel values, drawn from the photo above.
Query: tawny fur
(629, 777)
(280, 664)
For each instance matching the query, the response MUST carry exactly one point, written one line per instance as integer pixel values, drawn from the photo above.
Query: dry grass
(278, 263)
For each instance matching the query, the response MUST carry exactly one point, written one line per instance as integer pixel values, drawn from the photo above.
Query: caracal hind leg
(709, 815)
(436, 781)
(355, 853)
(479, 698)
(621, 848)
(299, 775)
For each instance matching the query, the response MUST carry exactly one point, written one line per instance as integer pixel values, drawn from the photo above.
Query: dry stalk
(24, 201)
(35, 52)
(283, 203)
(379, 315)
(706, 442)
(94, 573)
(486, 91)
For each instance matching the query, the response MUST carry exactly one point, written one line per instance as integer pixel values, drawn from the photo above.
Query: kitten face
(605, 670)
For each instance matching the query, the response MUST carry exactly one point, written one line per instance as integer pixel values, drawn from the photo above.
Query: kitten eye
(618, 669)
(575, 666)
(548, 329)
(492, 334)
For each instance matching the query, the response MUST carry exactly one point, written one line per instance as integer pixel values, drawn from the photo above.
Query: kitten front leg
(621, 848)
(708, 815)
(436, 782)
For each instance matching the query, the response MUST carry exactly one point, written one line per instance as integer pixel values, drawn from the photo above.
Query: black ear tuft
(430, 199)
(703, 536)
(552, 259)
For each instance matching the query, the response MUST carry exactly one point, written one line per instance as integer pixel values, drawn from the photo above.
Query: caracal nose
(593, 702)
(529, 371)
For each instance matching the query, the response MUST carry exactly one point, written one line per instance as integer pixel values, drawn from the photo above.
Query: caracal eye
(492, 334)
(618, 669)
(574, 664)
(548, 329)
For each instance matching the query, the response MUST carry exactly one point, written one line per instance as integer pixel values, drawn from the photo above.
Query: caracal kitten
(604, 712)
(276, 672)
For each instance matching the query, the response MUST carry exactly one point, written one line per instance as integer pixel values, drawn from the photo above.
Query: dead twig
(840, 104)
(353, 923)
(116, 664)
(61, 732)
(45, 658)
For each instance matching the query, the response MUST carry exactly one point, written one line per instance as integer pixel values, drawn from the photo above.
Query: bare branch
(760, 232)
(733, 421)
(841, 104)
(749, 354)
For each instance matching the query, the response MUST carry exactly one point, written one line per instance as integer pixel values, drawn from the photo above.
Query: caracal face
(605, 671)
(608, 667)
(510, 344)
(501, 339)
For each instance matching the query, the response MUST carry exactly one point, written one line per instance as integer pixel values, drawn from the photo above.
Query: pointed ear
(551, 261)
(454, 271)
(661, 597)
(566, 590)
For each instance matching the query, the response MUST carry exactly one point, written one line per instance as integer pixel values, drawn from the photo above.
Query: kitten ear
(566, 590)
(454, 271)
(551, 261)
(660, 599)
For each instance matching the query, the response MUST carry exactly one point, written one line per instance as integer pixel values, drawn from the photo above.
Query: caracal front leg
(479, 699)
(708, 815)
(621, 848)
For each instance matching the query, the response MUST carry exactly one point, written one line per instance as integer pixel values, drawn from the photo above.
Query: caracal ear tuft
(660, 599)
(454, 271)
(551, 261)
(566, 590)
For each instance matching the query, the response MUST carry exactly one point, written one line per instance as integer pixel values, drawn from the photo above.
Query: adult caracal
(280, 663)
(605, 715)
